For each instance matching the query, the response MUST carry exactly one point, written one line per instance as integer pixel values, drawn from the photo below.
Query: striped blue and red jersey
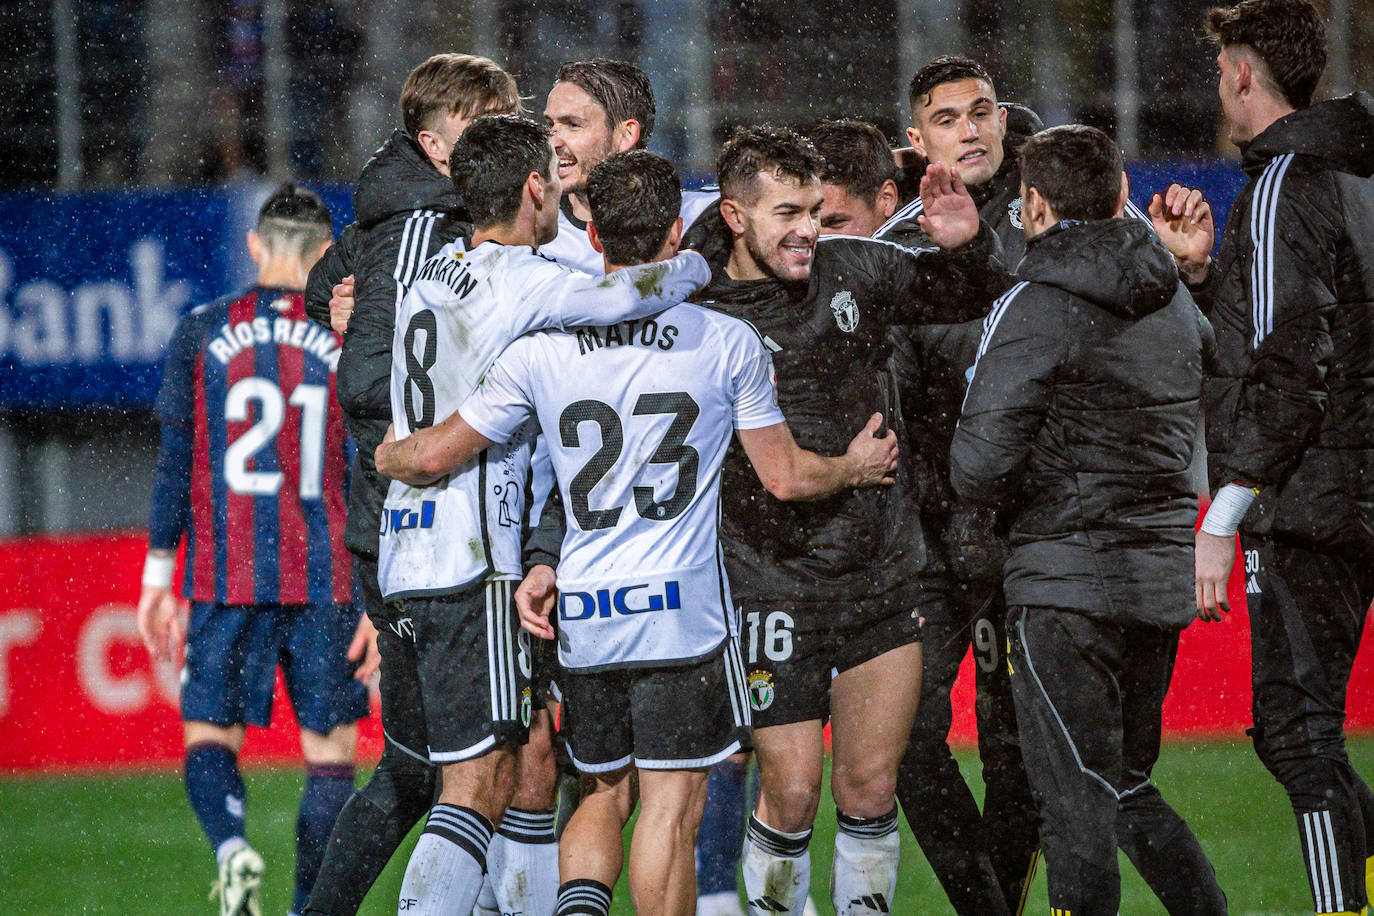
(253, 461)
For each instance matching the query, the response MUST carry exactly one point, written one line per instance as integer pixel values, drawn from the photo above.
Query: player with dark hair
(832, 585)
(1288, 432)
(454, 605)
(985, 861)
(406, 210)
(653, 687)
(1081, 413)
(597, 108)
(859, 179)
(251, 470)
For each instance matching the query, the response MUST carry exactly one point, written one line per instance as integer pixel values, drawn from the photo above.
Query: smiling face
(777, 228)
(582, 135)
(959, 124)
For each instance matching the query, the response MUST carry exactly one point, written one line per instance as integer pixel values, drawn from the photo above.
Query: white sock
(522, 864)
(777, 869)
(444, 874)
(228, 848)
(486, 899)
(863, 878)
(721, 903)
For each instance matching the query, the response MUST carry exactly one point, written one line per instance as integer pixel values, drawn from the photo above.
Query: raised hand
(951, 216)
(1182, 218)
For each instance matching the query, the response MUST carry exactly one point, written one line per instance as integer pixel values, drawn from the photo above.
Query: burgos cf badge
(1014, 213)
(526, 706)
(846, 310)
(760, 690)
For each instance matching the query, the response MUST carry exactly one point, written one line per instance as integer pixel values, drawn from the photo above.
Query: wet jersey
(638, 416)
(260, 491)
(463, 309)
(572, 246)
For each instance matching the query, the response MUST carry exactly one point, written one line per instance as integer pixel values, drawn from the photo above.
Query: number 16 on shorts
(770, 638)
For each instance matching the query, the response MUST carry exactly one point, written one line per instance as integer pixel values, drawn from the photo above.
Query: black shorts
(792, 650)
(474, 666)
(658, 718)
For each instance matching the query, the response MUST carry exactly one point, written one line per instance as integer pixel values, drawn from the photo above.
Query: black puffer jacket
(406, 211)
(1080, 418)
(828, 336)
(1290, 397)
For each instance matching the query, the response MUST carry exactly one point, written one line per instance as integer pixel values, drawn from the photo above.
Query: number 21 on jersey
(313, 402)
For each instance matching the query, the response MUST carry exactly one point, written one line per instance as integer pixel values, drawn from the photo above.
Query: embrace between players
(972, 421)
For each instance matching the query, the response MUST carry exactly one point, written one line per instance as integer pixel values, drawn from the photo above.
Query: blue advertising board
(91, 283)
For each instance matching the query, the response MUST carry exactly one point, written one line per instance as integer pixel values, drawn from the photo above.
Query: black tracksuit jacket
(1080, 421)
(1290, 395)
(829, 337)
(405, 211)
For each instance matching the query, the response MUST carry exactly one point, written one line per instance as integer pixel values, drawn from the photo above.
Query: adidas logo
(1252, 586)
(872, 903)
(765, 904)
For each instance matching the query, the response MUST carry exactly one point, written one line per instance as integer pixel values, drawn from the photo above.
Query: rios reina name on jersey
(463, 309)
(638, 416)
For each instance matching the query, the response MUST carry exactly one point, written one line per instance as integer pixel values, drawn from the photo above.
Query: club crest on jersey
(761, 693)
(526, 706)
(846, 311)
(1014, 213)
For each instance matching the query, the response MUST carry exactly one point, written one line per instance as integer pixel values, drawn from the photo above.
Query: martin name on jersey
(462, 310)
(639, 416)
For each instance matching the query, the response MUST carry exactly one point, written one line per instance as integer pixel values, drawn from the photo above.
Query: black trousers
(983, 861)
(1089, 696)
(1307, 614)
(403, 786)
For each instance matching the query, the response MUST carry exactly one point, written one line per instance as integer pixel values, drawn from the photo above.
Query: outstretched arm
(426, 455)
(791, 473)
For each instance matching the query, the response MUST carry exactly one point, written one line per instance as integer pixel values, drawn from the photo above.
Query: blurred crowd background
(117, 93)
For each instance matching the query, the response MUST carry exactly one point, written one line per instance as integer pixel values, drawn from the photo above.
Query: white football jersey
(638, 416)
(461, 311)
(572, 246)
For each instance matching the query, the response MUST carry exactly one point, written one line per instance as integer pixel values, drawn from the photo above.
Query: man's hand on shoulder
(873, 457)
(1182, 218)
(951, 217)
(535, 598)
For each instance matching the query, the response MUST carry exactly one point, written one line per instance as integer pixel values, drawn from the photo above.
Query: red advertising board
(78, 691)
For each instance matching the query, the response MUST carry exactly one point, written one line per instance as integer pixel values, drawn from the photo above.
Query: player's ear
(913, 137)
(255, 246)
(626, 135)
(534, 186)
(733, 214)
(888, 198)
(674, 240)
(594, 237)
(1123, 195)
(1245, 75)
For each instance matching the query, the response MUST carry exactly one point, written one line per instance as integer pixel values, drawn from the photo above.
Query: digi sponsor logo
(394, 520)
(629, 600)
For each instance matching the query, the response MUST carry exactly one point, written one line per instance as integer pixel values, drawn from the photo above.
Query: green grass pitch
(129, 844)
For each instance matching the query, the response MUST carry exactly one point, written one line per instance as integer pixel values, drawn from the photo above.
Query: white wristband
(157, 570)
(1227, 510)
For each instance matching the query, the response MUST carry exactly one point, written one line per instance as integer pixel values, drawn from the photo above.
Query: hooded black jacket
(1080, 419)
(405, 211)
(829, 341)
(1290, 396)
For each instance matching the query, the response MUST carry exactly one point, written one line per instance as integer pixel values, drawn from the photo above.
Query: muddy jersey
(463, 309)
(638, 416)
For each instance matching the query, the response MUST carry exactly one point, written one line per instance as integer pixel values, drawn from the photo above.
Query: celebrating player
(251, 470)
(983, 862)
(1288, 425)
(651, 675)
(450, 551)
(831, 585)
(1081, 412)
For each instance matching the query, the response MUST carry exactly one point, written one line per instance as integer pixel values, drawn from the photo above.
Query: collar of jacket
(1339, 131)
(1116, 264)
(398, 179)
